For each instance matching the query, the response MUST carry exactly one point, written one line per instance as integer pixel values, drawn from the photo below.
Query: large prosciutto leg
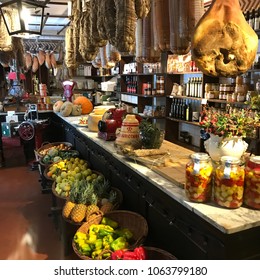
(223, 43)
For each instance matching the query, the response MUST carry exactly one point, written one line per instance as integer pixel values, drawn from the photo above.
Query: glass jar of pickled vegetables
(252, 183)
(198, 178)
(229, 183)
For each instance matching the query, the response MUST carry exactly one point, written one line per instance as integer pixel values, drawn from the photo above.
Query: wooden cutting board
(172, 167)
(173, 174)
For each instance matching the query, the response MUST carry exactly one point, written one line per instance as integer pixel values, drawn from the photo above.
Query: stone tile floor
(27, 227)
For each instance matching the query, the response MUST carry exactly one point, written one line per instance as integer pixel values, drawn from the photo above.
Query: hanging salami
(162, 24)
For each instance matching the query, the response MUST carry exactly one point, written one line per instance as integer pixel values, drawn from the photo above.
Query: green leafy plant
(254, 103)
(232, 122)
(150, 135)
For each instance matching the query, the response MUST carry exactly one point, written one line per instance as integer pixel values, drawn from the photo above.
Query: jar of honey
(198, 178)
(252, 183)
(229, 183)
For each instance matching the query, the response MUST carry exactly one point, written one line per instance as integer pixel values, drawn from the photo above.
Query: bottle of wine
(177, 109)
(171, 115)
(185, 107)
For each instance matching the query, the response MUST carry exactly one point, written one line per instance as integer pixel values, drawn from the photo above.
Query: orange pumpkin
(85, 103)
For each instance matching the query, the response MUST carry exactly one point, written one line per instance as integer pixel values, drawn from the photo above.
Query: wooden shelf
(183, 121)
(253, 70)
(184, 73)
(225, 102)
(184, 97)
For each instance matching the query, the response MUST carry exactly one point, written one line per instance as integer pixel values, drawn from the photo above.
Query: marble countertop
(226, 220)
(22, 113)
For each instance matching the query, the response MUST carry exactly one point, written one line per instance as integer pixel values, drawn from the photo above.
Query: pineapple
(109, 203)
(70, 203)
(67, 208)
(102, 189)
(79, 211)
(92, 207)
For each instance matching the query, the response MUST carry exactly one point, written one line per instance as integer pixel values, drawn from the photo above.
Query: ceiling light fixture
(17, 16)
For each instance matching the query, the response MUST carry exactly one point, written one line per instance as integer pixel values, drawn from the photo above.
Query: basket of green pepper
(118, 230)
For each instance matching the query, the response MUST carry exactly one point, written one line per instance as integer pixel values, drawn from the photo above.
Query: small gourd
(76, 110)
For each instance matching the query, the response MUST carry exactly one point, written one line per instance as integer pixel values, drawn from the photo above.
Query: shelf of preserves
(226, 102)
(138, 80)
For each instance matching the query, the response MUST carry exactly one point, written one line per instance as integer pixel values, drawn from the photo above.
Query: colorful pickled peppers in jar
(229, 183)
(252, 183)
(198, 178)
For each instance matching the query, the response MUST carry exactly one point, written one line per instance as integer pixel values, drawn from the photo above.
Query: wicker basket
(136, 223)
(98, 216)
(38, 154)
(95, 219)
(153, 253)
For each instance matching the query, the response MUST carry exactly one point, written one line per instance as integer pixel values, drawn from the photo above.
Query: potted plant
(226, 130)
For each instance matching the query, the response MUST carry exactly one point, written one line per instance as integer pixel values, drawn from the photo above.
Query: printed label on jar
(227, 170)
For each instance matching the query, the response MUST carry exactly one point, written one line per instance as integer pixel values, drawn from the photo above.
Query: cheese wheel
(93, 120)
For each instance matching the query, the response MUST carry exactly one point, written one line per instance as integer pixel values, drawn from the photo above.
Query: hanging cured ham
(53, 60)
(35, 65)
(28, 60)
(41, 56)
(223, 43)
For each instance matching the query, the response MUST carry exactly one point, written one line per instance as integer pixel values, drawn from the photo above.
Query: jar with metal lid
(252, 183)
(160, 85)
(229, 182)
(234, 97)
(199, 178)
(208, 87)
(241, 97)
(229, 97)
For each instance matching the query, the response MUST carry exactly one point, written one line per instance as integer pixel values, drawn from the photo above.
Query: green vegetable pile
(151, 136)
(107, 237)
(55, 155)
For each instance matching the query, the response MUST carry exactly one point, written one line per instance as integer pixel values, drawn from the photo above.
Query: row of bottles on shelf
(131, 84)
(147, 87)
(253, 18)
(181, 109)
(193, 88)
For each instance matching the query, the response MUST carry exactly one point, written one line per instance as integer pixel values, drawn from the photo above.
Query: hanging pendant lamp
(17, 16)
